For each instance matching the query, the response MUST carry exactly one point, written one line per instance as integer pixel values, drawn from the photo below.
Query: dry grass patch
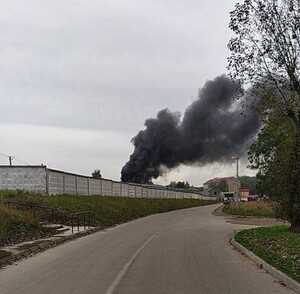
(253, 208)
(17, 225)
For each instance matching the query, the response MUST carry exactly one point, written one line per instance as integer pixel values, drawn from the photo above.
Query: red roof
(244, 190)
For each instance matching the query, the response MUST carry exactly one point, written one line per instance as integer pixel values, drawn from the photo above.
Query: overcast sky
(79, 78)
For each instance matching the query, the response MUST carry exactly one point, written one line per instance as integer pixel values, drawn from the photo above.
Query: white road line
(121, 274)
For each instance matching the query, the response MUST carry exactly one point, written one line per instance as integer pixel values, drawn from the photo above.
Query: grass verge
(17, 226)
(255, 208)
(108, 211)
(20, 225)
(276, 245)
(4, 254)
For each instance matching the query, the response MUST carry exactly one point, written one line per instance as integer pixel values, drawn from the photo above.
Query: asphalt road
(179, 252)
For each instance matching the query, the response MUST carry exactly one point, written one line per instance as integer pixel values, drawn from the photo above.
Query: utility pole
(10, 158)
(237, 196)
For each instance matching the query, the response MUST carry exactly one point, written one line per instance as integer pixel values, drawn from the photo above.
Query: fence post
(64, 184)
(101, 187)
(76, 185)
(72, 224)
(47, 182)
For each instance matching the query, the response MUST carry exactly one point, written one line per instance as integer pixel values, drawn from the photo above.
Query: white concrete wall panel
(56, 182)
(139, 191)
(107, 188)
(116, 189)
(32, 179)
(125, 189)
(145, 192)
(131, 190)
(82, 186)
(151, 193)
(95, 186)
(158, 193)
(70, 184)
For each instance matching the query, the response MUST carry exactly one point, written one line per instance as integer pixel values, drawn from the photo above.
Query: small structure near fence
(52, 215)
(40, 179)
(77, 218)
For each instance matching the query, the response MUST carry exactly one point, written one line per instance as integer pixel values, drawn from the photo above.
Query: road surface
(180, 252)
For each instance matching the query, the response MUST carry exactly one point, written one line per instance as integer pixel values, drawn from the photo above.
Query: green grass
(17, 225)
(276, 245)
(4, 254)
(254, 208)
(108, 211)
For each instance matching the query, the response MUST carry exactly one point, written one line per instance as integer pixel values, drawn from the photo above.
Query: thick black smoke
(212, 130)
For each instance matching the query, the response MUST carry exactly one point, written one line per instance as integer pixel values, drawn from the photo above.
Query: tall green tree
(265, 58)
(249, 182)
(272, 155)
(96, 174)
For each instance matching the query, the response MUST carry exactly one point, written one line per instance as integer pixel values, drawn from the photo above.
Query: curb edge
(267, 267)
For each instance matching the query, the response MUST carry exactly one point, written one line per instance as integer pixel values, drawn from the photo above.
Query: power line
(16, 159)
(10, 158)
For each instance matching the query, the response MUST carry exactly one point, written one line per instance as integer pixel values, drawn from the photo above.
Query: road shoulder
(255, 221)
(267, 267)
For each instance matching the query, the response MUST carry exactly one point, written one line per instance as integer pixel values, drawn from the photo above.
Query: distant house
(231, 183)
(245, 195)
(244, 192)
(212, 192)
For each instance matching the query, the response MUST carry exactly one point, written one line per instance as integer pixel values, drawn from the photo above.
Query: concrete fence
(40, 179)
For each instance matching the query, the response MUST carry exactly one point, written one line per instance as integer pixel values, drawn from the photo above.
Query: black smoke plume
(213, 129)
